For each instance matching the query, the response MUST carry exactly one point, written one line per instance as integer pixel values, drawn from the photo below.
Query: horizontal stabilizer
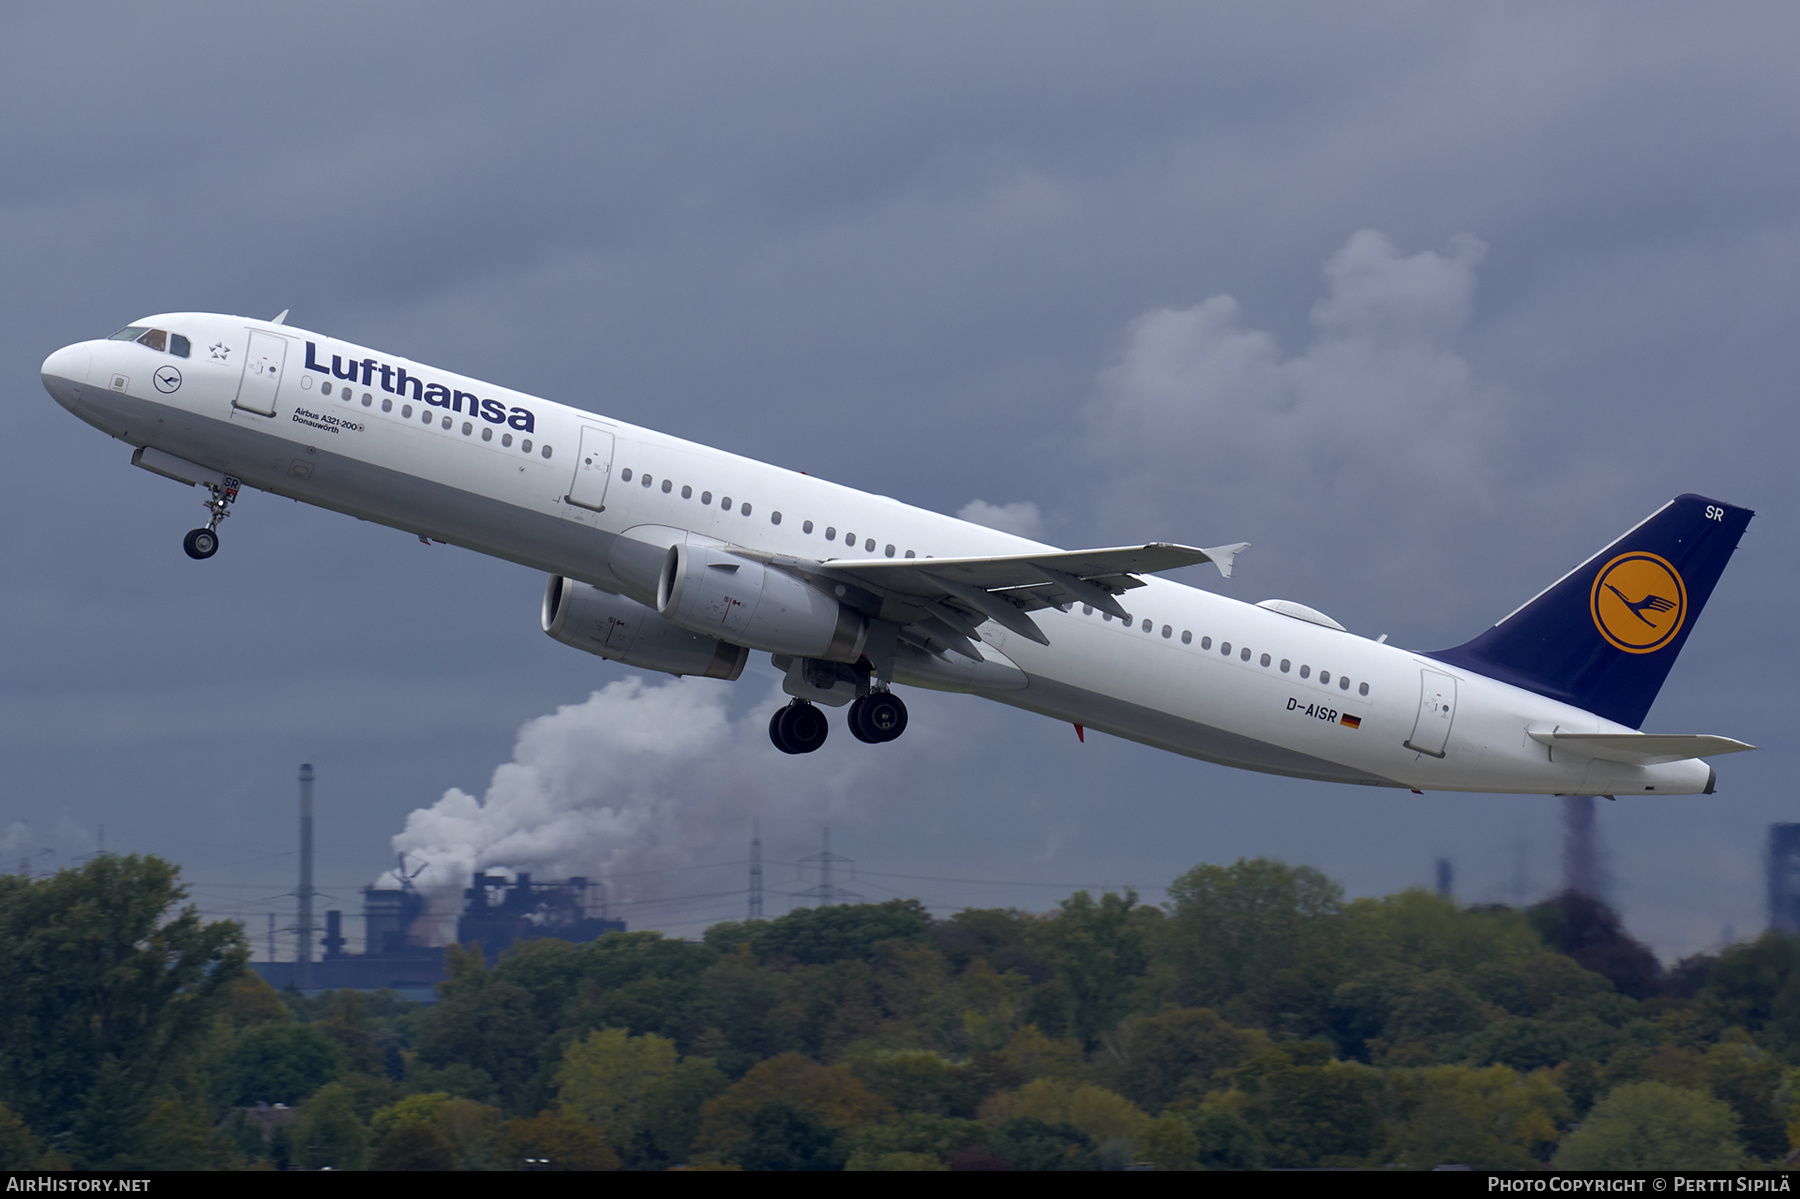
(1640, 749)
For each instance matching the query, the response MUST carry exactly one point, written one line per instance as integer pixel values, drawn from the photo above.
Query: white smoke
(634, 786)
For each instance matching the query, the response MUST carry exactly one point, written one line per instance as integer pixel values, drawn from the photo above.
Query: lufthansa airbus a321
(671, 556)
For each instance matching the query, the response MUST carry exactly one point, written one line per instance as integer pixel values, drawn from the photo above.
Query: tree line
(1257, 1019)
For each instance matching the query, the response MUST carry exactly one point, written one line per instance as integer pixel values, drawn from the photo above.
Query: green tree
(1746, 1078)
(278, 1063)
(1174, 1055)
(1097, 948)
(830, 1092)
(787, 1138)
(669, 1117)
(328, 1132)
(1027, 1143)
(1654, 1126)
(607, 1077)
(560, 1143)
(817, 936)
(20, 1148)
(414, 1146)
(1248, 927)
(109, 987)
(1489, 1119)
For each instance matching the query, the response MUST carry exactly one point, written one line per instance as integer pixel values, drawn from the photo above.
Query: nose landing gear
(799, 728)
(203, 543)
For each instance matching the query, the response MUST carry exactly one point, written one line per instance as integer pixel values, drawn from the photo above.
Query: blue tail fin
(1604, 636)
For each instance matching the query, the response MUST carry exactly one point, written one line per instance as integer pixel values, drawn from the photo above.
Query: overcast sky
(1427, 302)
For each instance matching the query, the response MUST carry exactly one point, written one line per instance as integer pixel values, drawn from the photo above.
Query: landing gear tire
(877, 717)
(201, 543)
(799, 728)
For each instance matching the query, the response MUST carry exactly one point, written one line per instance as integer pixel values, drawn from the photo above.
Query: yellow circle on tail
(1639, 602)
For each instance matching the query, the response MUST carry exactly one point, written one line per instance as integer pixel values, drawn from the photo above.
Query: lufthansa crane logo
(167, 379)
(1639, 602)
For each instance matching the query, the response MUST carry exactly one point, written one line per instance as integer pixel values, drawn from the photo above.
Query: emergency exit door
(593, 468)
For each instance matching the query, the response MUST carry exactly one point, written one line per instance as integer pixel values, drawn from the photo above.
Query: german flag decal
(1350, 722)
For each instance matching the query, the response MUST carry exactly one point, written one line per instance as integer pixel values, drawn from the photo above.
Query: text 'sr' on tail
(1604, 636)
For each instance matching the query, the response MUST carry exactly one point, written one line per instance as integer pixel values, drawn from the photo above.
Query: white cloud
(1021, 518)
(1378, 419)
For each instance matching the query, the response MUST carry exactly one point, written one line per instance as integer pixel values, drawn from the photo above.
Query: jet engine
(713, 591)
(620, 628)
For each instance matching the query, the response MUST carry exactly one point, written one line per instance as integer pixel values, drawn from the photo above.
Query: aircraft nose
(65, 371)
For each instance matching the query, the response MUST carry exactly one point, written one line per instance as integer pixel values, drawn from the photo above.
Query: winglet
(1222, 555)
(280, 318)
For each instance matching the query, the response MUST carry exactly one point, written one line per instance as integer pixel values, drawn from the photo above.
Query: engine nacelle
(620, 628)
(715, 592)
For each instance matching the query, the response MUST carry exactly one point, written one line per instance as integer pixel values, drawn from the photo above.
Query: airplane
(670, 556)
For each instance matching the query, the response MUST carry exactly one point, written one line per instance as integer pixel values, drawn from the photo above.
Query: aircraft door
(1437, 710)
(262, 373)
(593, 469)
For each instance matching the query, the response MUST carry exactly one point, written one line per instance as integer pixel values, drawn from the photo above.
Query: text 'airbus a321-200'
(672, 556)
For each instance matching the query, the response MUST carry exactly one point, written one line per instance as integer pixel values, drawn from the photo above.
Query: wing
(941, 602)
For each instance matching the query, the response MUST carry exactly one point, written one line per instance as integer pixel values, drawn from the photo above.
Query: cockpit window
(128, 333)
(179, 345)
(156, 339)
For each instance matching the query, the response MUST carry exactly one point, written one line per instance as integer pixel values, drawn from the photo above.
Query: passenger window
(1167, 632)
(1146, 625)
(367, 399)
(525, 444)
(869, 546)
(1264, 659)
(1284, 665)
(387, 405)
(849, 538)
(1087, 609)
(1225, 648)
(647, 480)
(725, 503)
(1106, 616)
(1362, 688)
(890, 551)
(1324, 677)
(1343, 682)
(625, 475)
(687, 493)
(428, 420)
(467, 428)
(774, 518)
(406, 411)
(545, 452)
(487, 434)
(668, 486)
(1306, 672)
(1244, 654)
(705, 496)
(325, 387)
(806, 526)
(156, 339)
(1187, 637)
(1206, 643)
(179, 345)
(505, 438)
(744, 510)
(830, 533)
(909, 554)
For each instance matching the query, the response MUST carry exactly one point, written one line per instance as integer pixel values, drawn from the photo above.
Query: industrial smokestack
(303, 958)
(1581, 856)
(1446, 878)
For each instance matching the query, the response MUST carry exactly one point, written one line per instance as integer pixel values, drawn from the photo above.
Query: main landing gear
(203, 543)
(800, 728)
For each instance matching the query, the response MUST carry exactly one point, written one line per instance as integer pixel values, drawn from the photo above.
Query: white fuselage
(463, 475)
